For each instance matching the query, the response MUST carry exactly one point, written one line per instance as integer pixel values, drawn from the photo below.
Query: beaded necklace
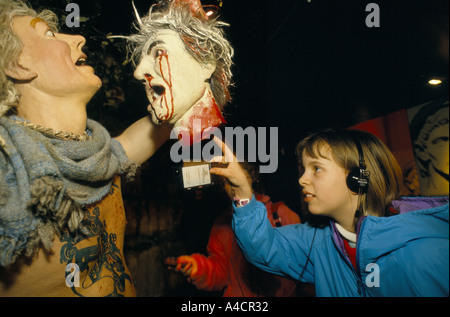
(66, 136)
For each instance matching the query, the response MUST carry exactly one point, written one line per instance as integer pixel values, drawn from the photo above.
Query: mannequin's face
(174, 80)
(56, 60)
(437, 146)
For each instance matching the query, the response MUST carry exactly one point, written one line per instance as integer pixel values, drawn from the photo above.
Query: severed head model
(184, 61)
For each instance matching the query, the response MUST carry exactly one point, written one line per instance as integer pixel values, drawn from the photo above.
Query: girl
(368, 242)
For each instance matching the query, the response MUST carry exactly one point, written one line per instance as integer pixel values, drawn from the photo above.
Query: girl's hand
(240, 184)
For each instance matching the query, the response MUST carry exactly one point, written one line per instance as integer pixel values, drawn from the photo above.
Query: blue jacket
(402, 255)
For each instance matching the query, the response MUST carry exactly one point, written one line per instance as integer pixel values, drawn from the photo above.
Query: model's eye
(317, 169)
(50, 33)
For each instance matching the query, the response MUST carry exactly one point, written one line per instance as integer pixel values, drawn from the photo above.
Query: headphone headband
(362, 163)
(358, 178)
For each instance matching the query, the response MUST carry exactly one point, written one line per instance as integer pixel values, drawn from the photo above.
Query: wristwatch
(240, 202)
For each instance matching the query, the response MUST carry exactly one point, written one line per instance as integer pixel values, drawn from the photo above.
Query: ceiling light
(435, 81)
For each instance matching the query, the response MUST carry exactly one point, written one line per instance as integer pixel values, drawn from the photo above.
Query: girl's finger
(217, 159)
(219, 171)
(228, 154)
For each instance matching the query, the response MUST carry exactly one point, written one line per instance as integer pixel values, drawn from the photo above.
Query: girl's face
(325, 189)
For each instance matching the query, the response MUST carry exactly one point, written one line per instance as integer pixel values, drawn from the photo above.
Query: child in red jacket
(225, 268)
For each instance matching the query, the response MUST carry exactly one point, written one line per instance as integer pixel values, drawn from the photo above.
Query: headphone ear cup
(358, 181)
(353, 180)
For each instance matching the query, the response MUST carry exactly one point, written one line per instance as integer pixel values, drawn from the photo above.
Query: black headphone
(358, 178)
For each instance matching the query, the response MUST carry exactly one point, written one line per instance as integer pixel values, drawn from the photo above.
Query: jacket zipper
(357, 272)
(361, 288)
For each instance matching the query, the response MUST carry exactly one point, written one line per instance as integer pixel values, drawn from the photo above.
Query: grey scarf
(46, 182)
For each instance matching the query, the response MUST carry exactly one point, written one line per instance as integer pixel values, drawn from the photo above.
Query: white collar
(350, 236)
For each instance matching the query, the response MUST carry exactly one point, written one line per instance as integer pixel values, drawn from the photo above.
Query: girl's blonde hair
(385, 172)
(11, 47)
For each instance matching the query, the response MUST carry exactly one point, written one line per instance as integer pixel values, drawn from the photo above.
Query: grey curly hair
(11, 47)
(204, 40)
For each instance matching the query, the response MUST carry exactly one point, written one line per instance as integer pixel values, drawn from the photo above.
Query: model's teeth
(309, 195)
(81, 62)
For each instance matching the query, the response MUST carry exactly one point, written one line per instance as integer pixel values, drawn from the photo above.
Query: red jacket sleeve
(212, 274)
(287, 216)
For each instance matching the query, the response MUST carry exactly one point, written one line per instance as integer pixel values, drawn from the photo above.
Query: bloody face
(174, 80)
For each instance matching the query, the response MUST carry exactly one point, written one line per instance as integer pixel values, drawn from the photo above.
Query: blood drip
(169, 85)
(208, 112)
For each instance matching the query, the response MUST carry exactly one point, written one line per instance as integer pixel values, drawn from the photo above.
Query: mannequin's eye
(159, 52)
(50, 33)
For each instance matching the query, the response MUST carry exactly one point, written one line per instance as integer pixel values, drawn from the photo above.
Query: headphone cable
(307, 258)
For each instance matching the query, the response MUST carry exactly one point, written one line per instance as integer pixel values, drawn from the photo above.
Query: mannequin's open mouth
(158, 90)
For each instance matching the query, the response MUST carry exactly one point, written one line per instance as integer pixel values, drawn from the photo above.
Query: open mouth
(156, 96)
(158, 90)
(81, 61)
(308, 196)
(155, 90)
